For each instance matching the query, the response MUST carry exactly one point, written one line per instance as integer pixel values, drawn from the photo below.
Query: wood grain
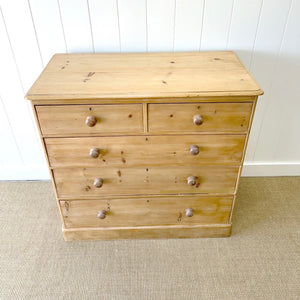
(214, 99)
(70, 119)
(145, 151)
(146, 211)
(143, 75)
(150, 232)
(217, 117)
(72, 183)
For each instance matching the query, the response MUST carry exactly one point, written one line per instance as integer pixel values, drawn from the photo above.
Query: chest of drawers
(145, 145)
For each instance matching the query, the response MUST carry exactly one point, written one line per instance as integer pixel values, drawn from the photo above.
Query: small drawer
(146, 150)
(95, 182)
(90, 119)
(199, 117)
(146, 211)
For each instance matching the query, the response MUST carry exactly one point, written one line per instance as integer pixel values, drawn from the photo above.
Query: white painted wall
(264, 33)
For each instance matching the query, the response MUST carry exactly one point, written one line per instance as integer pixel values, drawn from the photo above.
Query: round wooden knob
(198, 120)
(98, 182)
(101, 214)
(189, 212)
(91, 121)
(194, 150)
(192, 180)
(94, 152)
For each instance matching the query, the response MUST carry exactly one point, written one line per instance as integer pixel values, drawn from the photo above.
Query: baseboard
(271, 169)
(28, 172)
(40, 172)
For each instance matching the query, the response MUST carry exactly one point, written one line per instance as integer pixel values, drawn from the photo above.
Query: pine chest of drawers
(145, 145)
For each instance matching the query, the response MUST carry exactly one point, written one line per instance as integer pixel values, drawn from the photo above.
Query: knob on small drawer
(192, 180)
(194, 150)
(91, 121)
(101, 214)
(94, 152)
(98, 182)
(198, 120)
(189, 212)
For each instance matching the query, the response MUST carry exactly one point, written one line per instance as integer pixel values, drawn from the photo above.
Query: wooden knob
(101, 214)
(198, 120)
(94, 152)
(98, 182)
(189, 212)
(91, 121)
(194, 150)
(192, 180)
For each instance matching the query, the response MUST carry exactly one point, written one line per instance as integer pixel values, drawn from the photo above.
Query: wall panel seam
(255, 37)
(119, 29)
(203, 12)
(146, 3)
(11, 130)
(35, 33)
(62, 26)
(12, 52)
(230, 23)
(91, 28)
(174, 24)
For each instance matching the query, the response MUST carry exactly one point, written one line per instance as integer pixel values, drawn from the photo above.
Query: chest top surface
(143, 75)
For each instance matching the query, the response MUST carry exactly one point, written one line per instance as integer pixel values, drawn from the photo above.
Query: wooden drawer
(74, 182)
(145, 150)
(147, 211)
(216, 117)
(63, 120)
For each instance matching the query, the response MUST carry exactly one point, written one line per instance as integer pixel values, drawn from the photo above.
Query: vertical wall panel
(16, 107)
(76, 24)
(9, 154)
(286, 87)
(133, 25)
(188, 25)
(48, 28)
(245, 17)
(270, 32)
(23, 40)
(105, 25)
(216, 24)
(160, 25)
(21, 63)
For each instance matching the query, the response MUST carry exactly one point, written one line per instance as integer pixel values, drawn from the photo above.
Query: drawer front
(148, 211)
(199, 117)
(90, 119)
(145, 150)
(94, 182)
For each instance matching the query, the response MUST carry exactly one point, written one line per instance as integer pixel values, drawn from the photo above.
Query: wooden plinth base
(147, 232)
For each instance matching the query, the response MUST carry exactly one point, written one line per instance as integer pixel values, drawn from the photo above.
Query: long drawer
(145, 150)
(146, 211)
(94, 182)
(90, 119)
(199, 117)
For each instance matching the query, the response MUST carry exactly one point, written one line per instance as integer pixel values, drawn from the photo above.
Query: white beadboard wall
(264, 33)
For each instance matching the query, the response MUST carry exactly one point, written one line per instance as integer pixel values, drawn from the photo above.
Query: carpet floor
(261, 260)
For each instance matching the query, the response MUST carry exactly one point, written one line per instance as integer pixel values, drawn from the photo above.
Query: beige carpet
(259, 261)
